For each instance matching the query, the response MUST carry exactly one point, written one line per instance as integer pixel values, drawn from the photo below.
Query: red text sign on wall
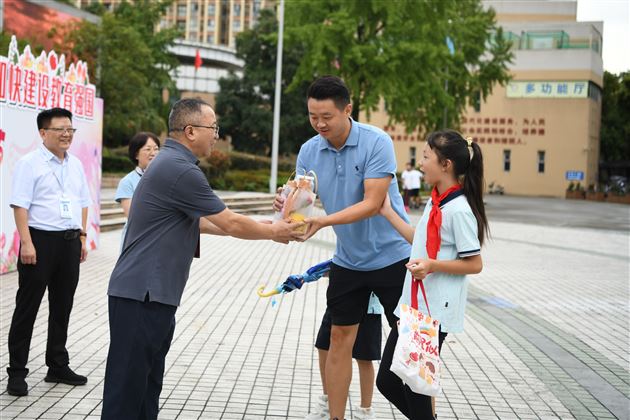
(44, 82)
(502, 130)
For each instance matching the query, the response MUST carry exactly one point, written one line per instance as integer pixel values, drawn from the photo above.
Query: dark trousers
(414, 406)
(140, 337)
(57, 269)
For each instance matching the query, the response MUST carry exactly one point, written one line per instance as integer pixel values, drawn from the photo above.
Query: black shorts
(349, 291)
(367, 346)
(414, 192)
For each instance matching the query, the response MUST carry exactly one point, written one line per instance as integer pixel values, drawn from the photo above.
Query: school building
(541, 131)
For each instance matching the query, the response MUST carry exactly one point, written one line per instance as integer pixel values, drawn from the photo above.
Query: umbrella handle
(261, 291)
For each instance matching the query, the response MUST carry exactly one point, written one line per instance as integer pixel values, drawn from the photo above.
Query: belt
(68, 235)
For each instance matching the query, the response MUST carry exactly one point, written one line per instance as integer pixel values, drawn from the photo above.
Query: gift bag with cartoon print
(416, 358)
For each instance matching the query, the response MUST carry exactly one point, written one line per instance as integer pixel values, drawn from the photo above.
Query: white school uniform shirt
(411, 179)
(37, 187)
(446, 293)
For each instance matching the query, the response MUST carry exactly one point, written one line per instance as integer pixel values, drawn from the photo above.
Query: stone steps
(112, 216)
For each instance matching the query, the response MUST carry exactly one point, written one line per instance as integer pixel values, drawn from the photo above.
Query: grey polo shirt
(163, 228)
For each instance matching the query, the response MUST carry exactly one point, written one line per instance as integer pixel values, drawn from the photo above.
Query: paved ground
(546, 328)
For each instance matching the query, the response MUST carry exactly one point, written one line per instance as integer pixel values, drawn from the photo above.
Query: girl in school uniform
(446, 246)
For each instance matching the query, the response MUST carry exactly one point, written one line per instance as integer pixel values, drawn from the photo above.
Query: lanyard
(61, 180)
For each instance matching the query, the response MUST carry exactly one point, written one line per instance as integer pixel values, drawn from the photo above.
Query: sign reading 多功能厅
(547, 89)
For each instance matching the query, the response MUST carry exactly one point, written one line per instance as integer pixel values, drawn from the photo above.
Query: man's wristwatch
(82, 234)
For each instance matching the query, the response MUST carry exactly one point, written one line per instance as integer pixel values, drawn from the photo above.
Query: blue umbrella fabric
(295, 281)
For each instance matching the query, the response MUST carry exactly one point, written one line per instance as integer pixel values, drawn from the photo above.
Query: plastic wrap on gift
(299, 199)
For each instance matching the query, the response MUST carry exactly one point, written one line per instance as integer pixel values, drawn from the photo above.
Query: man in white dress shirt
(50, 199)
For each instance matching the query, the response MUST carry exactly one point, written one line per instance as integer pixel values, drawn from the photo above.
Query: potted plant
(570, 190)
(618, 194)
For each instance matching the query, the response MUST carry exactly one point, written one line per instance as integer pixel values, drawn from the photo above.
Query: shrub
(248, 180)
(245, 161)
(116, 164)
(215, 165)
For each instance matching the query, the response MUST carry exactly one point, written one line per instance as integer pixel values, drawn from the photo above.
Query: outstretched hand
(314, 224)
(284, 231)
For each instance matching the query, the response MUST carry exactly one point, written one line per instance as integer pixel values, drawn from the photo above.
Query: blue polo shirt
(372, 243)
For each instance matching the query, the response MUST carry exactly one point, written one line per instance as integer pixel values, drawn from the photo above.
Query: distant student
(446, 246)
(412, 181)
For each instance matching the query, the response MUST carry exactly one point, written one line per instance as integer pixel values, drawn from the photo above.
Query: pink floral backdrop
(28, 85)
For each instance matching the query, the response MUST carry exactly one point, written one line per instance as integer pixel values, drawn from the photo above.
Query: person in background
(143, 147)
(50, 200)
(412, 181)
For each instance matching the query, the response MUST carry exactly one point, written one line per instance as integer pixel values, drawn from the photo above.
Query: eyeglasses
(214, 127)
(70, 131)
(150, 149)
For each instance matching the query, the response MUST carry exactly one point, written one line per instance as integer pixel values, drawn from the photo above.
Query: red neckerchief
(434, 239)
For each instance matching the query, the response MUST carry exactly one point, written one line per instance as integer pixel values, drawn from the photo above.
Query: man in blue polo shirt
(172, 201)
(356, 169)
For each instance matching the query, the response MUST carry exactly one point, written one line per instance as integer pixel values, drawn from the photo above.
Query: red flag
(198, 60)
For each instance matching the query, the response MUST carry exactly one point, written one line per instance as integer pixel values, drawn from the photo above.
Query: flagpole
(273, 180)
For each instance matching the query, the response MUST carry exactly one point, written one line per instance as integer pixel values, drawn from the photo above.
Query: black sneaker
(17, 386)
(65, 375)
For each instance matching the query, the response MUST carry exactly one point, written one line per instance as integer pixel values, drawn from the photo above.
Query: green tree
(130, 65)
(615, 128)
(5, 39)
(396, 51)
(245, 104)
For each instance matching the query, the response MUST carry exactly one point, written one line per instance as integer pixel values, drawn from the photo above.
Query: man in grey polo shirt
(171, 201)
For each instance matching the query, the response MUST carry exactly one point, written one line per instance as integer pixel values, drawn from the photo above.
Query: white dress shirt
(41, 180)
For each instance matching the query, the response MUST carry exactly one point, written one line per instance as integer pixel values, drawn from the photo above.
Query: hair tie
(469, 140)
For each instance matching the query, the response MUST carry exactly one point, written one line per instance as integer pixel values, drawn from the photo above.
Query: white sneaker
(321, 409)
(361, 413)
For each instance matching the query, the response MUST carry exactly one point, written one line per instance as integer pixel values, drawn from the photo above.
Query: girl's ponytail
(473, 190)
(468, 164)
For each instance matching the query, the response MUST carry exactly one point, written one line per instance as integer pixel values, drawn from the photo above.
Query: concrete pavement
(546, 331)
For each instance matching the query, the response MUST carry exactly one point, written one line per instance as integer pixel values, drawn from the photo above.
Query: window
(211, 25)
(412, 156)
(506, 160)
(210, 39)
(541, 161)
(236, 25)
(181, 10)
(211, 9)
(476, 101)
(237, 10)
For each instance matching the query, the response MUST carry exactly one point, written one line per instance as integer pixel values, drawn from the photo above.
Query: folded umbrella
(295, 281)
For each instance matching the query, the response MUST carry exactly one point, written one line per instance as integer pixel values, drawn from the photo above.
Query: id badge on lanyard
(65, 204)
(65, 208)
